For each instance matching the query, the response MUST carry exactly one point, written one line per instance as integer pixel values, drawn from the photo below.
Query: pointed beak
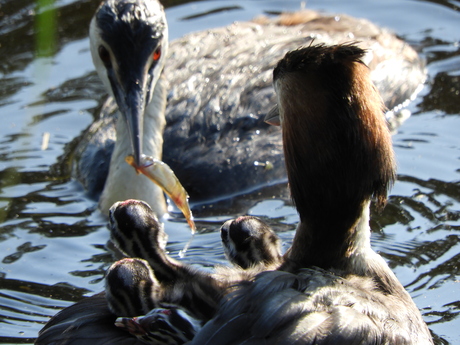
(273, 116)
(133, 114)
(130, 96)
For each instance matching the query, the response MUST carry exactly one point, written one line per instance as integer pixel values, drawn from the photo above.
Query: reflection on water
(52, 240)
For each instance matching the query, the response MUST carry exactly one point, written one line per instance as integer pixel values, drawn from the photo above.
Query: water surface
(52, 238)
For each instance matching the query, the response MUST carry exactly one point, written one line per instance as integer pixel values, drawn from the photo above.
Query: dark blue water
(52, 240)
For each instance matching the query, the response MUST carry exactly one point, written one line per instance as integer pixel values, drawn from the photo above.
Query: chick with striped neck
(131, 285)
(132, 290)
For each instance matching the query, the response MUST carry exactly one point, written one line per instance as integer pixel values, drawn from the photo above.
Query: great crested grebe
(156, 285)
(217, 84)
(332, 288)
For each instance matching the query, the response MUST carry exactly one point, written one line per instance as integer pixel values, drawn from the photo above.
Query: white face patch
(95, 42)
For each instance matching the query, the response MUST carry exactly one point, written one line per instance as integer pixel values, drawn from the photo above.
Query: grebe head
(125, 216)
(134, 294)
(248, 241)
(337, 145)
(168, 324)
(135, 229)
(131, 287)
(130, 33)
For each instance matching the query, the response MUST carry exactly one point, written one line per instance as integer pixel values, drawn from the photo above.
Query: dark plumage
(312, 306)
(91, 319)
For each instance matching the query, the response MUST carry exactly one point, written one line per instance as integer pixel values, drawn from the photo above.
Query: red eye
(156, 54)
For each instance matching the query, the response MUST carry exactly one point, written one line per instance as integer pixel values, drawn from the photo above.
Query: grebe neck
(338, 154)
(331, 244)
(122, 181)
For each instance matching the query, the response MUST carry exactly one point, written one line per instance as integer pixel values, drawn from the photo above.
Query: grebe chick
(333, 288)
(248, 241)
(134, 285)
(136, 231)
(217, 83)
(132, 290)
(167, 325)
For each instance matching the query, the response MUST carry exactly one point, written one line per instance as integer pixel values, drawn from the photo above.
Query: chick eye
(105, 56)
(156, 54)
